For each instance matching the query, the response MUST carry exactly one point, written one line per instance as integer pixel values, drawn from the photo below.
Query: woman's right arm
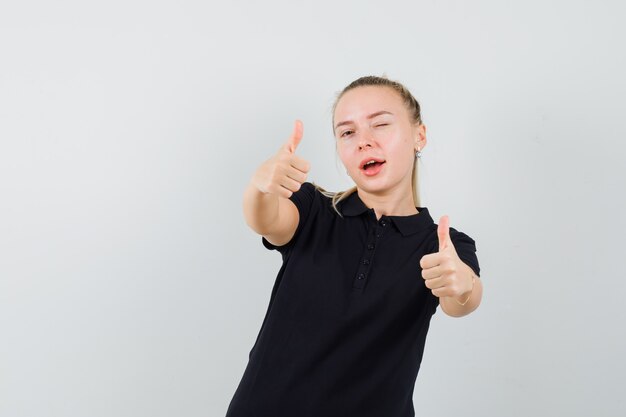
(266, 205)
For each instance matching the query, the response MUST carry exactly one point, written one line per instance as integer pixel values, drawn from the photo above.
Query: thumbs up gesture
(284, 173)
(444, 272)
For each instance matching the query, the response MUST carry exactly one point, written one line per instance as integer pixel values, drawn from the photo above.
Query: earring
(418, 154)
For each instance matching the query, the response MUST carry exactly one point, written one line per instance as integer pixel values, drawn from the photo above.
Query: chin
(379, 184)
(372, 186)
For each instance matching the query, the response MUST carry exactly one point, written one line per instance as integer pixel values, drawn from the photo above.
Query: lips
(366, 160)
(371, 167)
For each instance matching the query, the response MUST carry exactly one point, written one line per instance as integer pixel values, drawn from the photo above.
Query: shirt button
(366, 261)
(378, 235)
(370, 246)
(383, 223)
(361, 276)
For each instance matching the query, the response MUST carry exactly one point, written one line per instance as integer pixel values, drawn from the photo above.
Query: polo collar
(353, 206)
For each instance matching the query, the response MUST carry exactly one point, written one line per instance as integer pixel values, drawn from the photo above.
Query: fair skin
(369, 122)
(372, 122)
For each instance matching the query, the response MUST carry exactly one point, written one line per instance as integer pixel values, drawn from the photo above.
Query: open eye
(346, 133)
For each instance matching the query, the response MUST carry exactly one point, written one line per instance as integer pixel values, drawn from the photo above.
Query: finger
(443, 233)
(434, 283)
(431, 273)
(295, 138)
(442, 292)
(430, 261)
(296, 175)
(284, 193)
(279, 190)
(290, 184)
(300, 164)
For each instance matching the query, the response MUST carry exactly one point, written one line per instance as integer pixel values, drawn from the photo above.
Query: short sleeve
(466, 249)
(304, 199)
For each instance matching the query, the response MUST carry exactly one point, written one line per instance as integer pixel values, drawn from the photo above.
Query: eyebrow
(371, 116)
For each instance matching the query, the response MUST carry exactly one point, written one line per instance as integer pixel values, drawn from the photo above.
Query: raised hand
(444, 272)
(284, 173)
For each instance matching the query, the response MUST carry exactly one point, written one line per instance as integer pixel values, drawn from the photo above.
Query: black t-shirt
(345, 328)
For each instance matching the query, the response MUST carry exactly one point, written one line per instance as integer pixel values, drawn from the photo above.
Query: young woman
(363, 270)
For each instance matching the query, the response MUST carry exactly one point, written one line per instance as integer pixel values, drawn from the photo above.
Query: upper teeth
(369, 162)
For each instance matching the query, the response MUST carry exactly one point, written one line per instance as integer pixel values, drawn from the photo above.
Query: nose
(364, 142)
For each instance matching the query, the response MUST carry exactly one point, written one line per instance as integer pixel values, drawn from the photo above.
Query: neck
(389, 202)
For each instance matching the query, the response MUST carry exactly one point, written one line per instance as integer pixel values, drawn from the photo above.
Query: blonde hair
(416, 117)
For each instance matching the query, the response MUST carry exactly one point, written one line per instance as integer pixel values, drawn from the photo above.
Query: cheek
(347, 158)
(342, 150)
(343, 157)
(403, 145)
(403, 154)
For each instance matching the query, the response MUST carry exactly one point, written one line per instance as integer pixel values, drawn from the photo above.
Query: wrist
(465, 297)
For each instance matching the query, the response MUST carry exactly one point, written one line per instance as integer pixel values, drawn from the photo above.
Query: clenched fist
(284, 173)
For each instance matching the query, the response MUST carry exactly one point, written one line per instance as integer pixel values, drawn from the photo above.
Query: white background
(129, 282)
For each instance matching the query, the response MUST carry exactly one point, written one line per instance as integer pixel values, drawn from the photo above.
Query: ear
(420, 136)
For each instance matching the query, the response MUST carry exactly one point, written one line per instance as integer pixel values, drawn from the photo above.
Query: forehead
(366, 100)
